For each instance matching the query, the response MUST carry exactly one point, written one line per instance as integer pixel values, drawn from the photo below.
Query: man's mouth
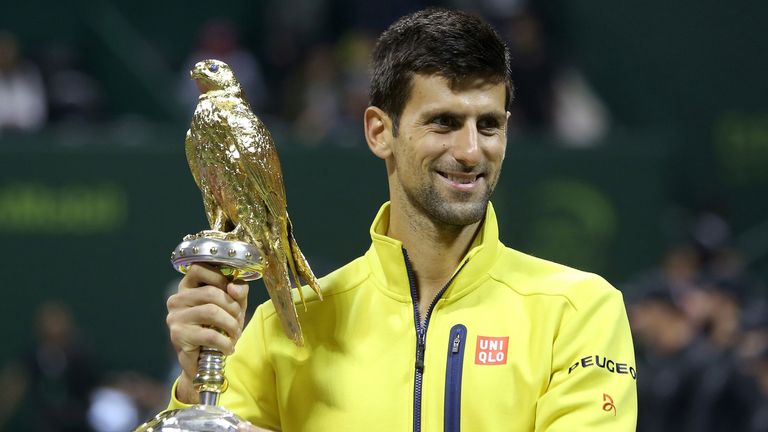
(462, 181)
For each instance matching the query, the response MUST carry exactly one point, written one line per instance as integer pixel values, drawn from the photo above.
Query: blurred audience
(533, 71)
(701, 336)
(670, 366)
(313, 80)
(550, 94)
(54, 377)
(316, 98)
(310, 77)
(74, 96)
(126, 400)
(328, 95)
(57, 385)
(758, 367)
(23, 96)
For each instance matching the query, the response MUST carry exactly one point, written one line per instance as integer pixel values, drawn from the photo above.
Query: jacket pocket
(453, 372)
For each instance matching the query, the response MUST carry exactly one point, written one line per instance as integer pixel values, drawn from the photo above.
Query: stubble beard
(454, 210)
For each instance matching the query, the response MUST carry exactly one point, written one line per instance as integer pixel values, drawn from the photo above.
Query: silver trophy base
(197, 418)
(234, 258)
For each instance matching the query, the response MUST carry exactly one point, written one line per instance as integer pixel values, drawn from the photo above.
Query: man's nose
(466, 148)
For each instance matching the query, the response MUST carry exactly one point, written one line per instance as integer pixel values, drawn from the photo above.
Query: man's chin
(460, 214)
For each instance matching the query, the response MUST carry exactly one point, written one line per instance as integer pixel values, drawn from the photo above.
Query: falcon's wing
(192, 151)
(258, 159)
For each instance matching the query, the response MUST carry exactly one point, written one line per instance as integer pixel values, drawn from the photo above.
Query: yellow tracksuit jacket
(513, 343)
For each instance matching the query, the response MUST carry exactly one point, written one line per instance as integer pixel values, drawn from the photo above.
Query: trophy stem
(236, 260)
(210, 381)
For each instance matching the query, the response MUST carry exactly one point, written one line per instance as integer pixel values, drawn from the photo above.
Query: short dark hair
(453, 44)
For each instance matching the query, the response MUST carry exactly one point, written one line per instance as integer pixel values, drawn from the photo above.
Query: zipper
(453, 373)
(421, 336)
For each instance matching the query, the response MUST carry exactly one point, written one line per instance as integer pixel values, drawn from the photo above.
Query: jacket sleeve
(593, 381)
(251, 393)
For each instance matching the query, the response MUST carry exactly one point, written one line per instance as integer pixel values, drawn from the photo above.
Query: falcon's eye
(213, 67)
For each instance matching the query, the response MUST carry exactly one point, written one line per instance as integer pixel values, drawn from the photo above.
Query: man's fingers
(188, 362)
(191, 338)
(204, 295)
(238, 290)
(200, 274)
(206, 315)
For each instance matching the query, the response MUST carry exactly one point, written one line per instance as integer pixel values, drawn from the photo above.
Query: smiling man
(438, 326)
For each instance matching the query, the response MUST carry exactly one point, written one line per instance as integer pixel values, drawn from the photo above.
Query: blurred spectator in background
(580, 118)
(314, 90)
(352, 51)
(54, 378)
(673, 358)
(550, 95)
(55, 385)
(725, 395)
(701, 335)
(754, 336)
(219, 40)
(74, 96)
(330, 91)
(533, 72)
(22, 95)
(752, 353)
(126, 400)
(759, 370)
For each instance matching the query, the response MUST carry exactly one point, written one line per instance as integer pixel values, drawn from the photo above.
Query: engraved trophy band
(234, 258)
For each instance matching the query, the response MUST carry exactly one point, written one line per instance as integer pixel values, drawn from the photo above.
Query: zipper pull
(456, 343)
(420, 347)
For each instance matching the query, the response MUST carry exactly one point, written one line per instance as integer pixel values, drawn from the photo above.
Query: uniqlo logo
(491, 350)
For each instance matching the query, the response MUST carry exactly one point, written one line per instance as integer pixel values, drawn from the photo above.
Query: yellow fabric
(569, 365)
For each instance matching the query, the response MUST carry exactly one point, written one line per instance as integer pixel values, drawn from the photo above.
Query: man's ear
(378, 132)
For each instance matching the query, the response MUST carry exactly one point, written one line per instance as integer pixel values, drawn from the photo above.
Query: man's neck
(434, 249)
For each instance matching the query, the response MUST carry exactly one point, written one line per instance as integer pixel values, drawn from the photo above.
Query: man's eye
(444, 121)
(488, 126)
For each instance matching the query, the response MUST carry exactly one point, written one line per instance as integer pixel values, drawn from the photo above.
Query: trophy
(236, 260)
(234, 163)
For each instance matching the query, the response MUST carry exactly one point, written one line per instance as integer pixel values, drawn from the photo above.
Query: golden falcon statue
(234, 162)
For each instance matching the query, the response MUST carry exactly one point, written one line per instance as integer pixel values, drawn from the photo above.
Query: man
(438, 326)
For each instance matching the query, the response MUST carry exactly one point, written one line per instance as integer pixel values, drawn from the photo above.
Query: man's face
(448, 153)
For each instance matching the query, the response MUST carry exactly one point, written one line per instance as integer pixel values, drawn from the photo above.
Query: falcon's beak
(196, 73)
(201, 80)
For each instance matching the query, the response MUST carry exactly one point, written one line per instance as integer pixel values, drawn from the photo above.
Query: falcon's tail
(300, 266)
(279, 288)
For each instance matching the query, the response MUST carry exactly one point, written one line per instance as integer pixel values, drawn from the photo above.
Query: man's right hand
(206, 302)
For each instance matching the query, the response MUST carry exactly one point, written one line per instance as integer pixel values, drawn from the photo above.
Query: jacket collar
(387, 261)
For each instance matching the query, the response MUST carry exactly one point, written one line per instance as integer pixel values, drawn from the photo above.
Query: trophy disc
(234, 258)
(197, 418)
